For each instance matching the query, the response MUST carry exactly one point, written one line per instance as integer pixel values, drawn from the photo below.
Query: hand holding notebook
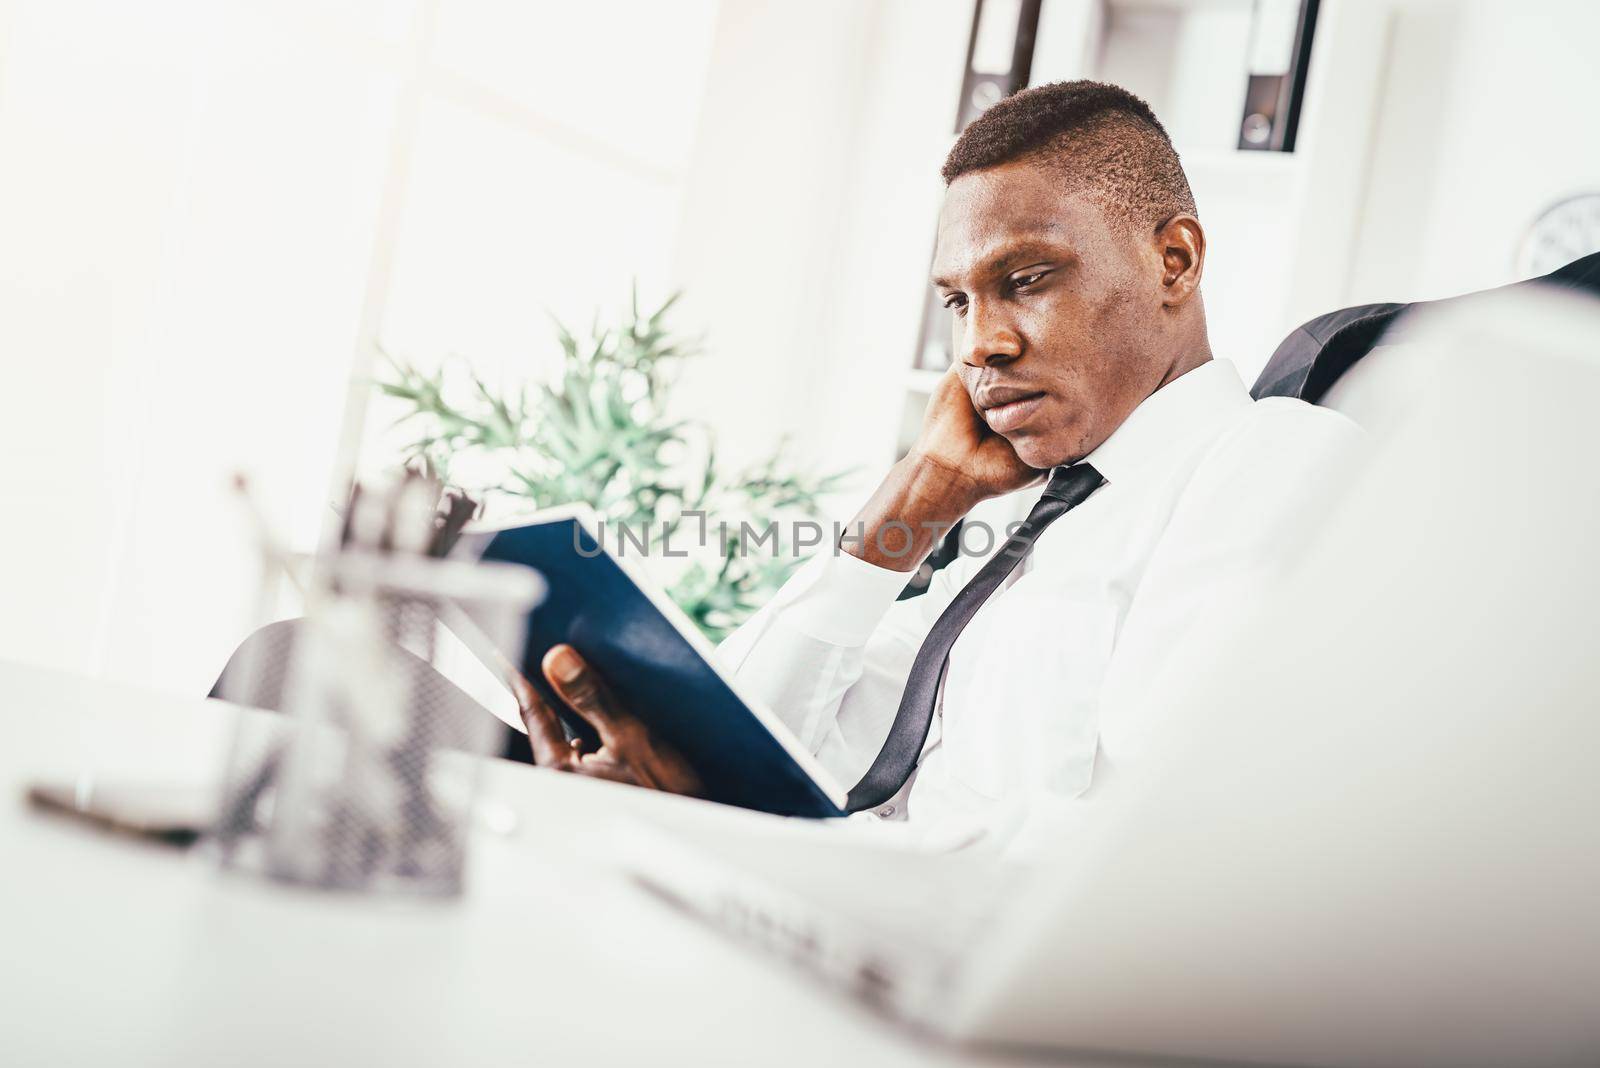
(659, 678)
(628, 752)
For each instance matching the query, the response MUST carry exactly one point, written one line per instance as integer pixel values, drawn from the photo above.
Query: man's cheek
(1066, 409)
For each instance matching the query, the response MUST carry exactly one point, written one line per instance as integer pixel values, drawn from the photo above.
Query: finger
(630, 752)
(545, 736)
(674, 774)
(601, 766)
(581, 687)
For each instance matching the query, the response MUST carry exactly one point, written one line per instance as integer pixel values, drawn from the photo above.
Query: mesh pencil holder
(368, 779)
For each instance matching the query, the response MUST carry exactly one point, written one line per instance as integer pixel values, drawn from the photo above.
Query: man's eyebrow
(1002, 259)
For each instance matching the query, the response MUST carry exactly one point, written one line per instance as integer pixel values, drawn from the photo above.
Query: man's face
(1057, 311)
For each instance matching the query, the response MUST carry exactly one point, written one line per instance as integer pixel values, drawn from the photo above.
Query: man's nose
(984, 337)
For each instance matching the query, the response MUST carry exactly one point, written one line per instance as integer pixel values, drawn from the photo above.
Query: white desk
(117, 951)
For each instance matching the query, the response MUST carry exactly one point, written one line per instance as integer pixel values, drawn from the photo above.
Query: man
(1070, 256)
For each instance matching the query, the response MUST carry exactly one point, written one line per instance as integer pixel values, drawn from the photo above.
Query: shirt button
(887, 811)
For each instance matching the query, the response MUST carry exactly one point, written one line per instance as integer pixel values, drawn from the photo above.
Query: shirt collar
(1194, 404)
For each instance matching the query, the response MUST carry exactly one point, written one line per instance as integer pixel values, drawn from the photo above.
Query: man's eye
(1027, 280)
(956, 303)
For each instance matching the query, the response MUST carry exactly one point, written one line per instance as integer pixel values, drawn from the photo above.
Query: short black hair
(1096, 135)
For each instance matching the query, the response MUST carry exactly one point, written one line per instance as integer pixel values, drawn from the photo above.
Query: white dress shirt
(1204, 492)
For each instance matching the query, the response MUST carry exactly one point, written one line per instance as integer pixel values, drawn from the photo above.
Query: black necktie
(1068, 488)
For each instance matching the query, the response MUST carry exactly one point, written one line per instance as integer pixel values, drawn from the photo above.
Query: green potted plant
(599, 432)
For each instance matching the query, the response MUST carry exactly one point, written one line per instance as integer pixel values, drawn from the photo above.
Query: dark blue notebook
(657, 663)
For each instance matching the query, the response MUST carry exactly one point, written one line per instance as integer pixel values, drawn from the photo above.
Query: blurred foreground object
(173, 815)
(368, 783)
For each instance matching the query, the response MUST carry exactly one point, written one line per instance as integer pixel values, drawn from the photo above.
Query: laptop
(1359, 824)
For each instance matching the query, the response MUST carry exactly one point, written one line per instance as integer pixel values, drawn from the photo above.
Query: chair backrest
(1324, 352)
(257, 673)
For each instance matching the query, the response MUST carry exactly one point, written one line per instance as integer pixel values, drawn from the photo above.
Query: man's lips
(1005, 408)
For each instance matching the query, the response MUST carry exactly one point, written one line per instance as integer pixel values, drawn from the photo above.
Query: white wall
(809, 221)
(1486, 116)
(190, 231)
(185, 217)
(546, 173)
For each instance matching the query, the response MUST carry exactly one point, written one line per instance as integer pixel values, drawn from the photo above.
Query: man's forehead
(954, 256)
(989, 217)
(966, 246)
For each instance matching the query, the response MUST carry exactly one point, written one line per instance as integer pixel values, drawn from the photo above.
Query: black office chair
(255, 676)
(1317, 354)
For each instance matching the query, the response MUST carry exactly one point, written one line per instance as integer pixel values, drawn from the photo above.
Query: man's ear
(1183, 258)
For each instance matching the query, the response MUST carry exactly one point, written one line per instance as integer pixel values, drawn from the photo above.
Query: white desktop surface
(132, 953)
